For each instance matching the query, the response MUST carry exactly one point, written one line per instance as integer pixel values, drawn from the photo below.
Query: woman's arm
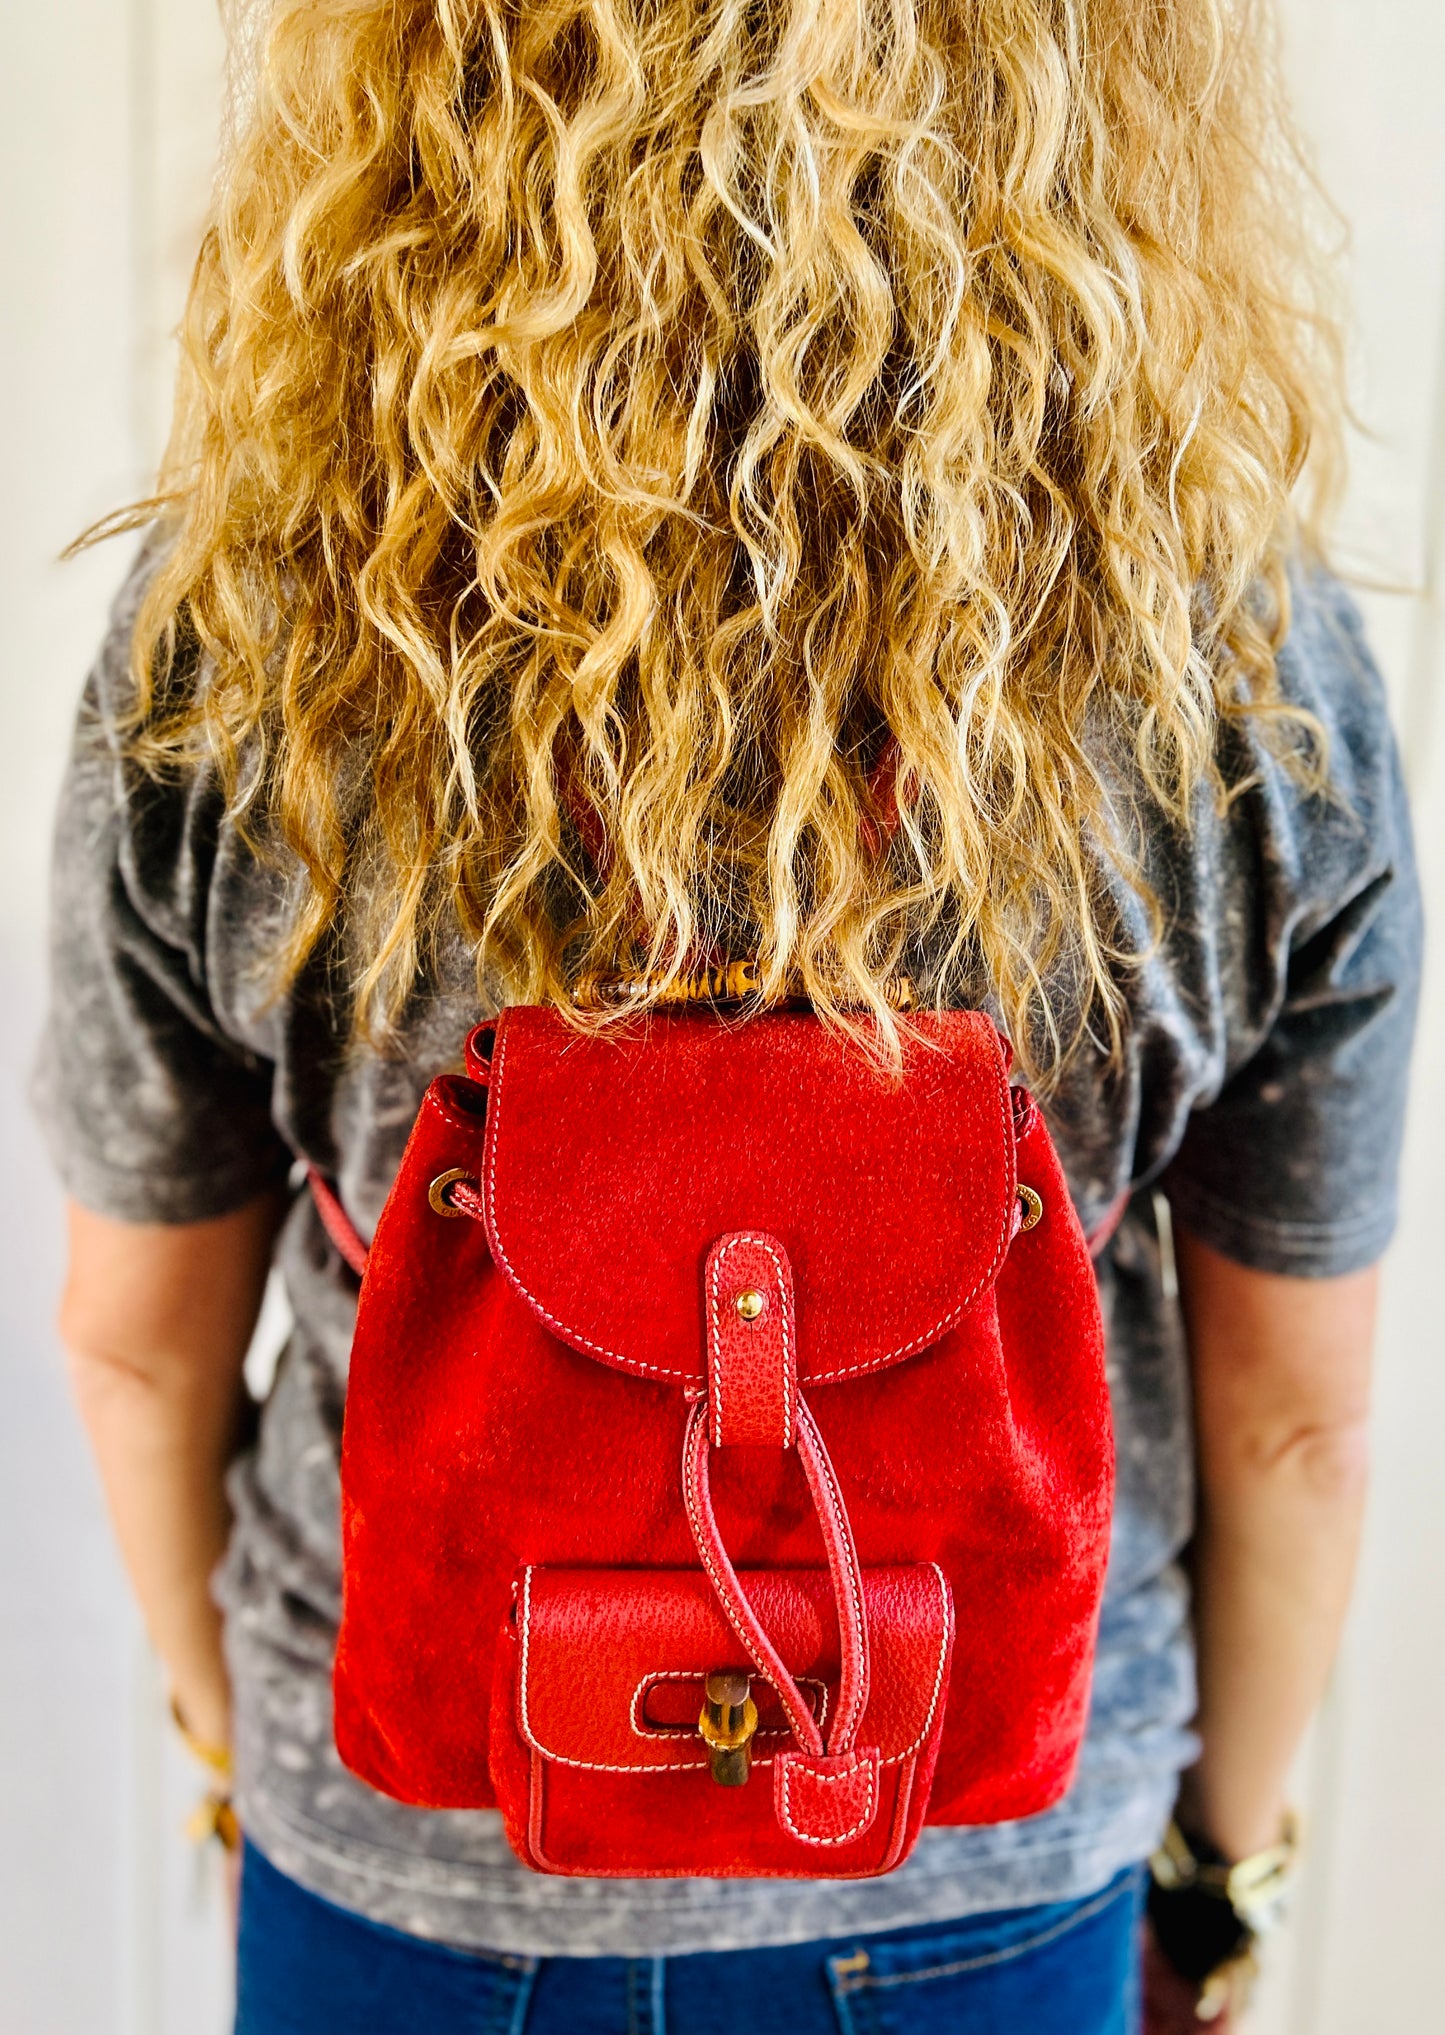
(1281, 1372)
(157, 1319)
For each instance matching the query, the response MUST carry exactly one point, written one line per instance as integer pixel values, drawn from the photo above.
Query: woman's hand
(1169, 2000)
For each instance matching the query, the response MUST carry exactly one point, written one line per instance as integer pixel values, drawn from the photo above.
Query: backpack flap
(597, 1757)
(613, 1164)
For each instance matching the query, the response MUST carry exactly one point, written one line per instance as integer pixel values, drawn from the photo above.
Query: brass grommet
(749, 1304)
(436, 1194)
(1033, 1207)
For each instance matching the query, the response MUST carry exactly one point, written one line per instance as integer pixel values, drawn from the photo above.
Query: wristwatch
(1208, 1913)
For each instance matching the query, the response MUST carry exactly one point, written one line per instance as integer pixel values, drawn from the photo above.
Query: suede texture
(613, 1166)
(480, 1438)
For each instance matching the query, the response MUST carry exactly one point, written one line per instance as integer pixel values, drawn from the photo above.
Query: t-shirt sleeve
(151, 1113)
(1292, 1167)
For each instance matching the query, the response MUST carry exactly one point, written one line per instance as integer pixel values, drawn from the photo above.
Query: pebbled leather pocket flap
(610, 1660)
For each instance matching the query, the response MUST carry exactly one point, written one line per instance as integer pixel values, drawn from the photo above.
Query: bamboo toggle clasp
(729, 1719)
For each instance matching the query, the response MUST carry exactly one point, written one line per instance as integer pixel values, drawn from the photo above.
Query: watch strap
(1206, 1910)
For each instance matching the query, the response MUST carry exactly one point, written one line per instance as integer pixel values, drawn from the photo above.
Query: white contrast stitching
(689, 1766)
(846, 1727)
(790, 1767)
(467, 1124)
(946, 1600)
(600, 1766)
(715, 1382)
(526, 1631)
(688, 1450)
(529, 1733)
(932, 1335)
(897, 1758)
(802, 1725)
(494, 1123)
(630, 1363)
(790, 1362)
(700, 1675)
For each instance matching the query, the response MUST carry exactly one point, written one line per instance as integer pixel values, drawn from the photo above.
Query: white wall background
(107, 120)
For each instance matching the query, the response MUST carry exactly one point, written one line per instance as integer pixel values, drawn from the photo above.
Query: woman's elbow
(1326, 1462)
(100, 1355)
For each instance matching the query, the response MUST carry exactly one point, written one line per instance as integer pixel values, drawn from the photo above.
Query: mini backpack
(727, 1461)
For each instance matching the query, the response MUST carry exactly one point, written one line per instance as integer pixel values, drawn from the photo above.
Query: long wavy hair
(606, 428)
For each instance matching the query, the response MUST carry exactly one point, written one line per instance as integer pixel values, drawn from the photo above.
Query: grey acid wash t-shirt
(1263, 1092)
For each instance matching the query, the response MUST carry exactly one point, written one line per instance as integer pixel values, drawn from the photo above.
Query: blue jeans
(307, 1968)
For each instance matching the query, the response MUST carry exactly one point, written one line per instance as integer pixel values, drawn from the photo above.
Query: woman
(682, 401)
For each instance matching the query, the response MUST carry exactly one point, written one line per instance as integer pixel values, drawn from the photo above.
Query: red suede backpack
(727, 1464)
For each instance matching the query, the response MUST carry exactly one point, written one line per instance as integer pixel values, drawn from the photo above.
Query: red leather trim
(480, 1040)
(847, 1577)
(752, 1366)
(829, 1800)
(1100, 1238)
(737, 1606)
(613, 1164)
(674, 1848)
(336, 1222)
(842, 1567)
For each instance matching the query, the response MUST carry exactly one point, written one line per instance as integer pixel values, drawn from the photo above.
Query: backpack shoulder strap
(336, 1222)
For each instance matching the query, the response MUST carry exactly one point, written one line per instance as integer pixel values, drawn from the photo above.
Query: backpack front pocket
(601, 1762)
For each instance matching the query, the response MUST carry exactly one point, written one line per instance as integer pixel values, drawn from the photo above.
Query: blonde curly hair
(621, 420)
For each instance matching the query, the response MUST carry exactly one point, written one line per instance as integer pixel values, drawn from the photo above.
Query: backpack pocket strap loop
(337, 1224)
(847, 1576)
(843, 1568)
(828, 1800)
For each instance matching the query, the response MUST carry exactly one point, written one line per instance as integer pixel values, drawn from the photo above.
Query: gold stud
(749, 1304)
(1033, 1207)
